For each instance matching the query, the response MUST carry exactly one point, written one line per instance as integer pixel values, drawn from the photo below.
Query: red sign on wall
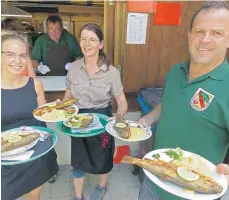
(139, 6)
(167, 14)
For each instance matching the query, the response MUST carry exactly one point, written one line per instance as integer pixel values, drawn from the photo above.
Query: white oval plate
(94, 122)
(110, 129)
(180, 191)
(20, 149)
(40, 118)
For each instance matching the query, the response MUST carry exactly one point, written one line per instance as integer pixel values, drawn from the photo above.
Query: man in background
(53, 52)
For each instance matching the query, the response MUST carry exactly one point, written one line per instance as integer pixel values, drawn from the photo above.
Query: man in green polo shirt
(194, 109)
(53, 52)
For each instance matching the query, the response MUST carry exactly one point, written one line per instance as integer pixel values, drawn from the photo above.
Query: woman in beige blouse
(95, 84)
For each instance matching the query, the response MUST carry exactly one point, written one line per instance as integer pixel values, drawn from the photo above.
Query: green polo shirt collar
(219, 73)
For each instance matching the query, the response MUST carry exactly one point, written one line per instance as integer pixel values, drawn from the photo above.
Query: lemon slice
(187, 174)
(15, 138)
(120, 125)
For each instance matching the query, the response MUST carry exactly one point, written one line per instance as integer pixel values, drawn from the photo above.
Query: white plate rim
(43, 120)
(20, 149)
(95, 117)
(172, 188)
(115, 134)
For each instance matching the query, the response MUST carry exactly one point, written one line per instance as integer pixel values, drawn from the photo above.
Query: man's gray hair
(207, 6)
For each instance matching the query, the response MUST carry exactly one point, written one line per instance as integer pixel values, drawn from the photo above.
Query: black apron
(94, 154)
(57, 57)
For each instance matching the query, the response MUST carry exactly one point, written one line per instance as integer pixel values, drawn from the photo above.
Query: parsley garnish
(156, 156)
(172, 154)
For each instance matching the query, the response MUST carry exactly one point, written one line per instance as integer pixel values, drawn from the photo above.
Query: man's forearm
(152, 117)
(35, 63)
(155, 113)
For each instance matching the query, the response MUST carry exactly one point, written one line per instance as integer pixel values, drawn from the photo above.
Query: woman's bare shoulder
(38, 85)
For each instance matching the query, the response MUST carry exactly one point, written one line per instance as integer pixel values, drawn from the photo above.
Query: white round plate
(180, 191)
(20, 149)
(40, 118)
(94, 122)
(110, 129)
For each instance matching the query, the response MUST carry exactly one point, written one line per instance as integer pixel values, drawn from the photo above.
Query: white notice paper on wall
(136, 28)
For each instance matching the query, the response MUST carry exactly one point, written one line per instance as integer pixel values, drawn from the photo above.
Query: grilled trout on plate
(13, 141)
(121, 127)
(58, 105)
(177, 173)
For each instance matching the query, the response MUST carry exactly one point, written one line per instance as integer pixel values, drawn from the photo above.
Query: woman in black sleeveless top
(20, 96)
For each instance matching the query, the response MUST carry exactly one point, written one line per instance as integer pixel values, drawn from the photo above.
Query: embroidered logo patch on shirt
(201, 100)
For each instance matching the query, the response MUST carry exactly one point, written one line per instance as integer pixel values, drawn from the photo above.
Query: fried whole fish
(42, 110)
(168, 171)
(121, 127)
(25, 140)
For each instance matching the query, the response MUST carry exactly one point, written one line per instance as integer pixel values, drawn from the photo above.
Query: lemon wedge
(120, 125)
(187, 174)
(15, 138)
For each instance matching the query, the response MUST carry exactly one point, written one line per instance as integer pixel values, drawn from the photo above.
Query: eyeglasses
(57, 30)
(11, 56)
(90, 40)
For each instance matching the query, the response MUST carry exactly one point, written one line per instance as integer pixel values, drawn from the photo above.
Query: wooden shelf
(80, 9)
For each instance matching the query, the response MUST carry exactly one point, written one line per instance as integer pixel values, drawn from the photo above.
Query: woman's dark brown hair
(98, 31)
